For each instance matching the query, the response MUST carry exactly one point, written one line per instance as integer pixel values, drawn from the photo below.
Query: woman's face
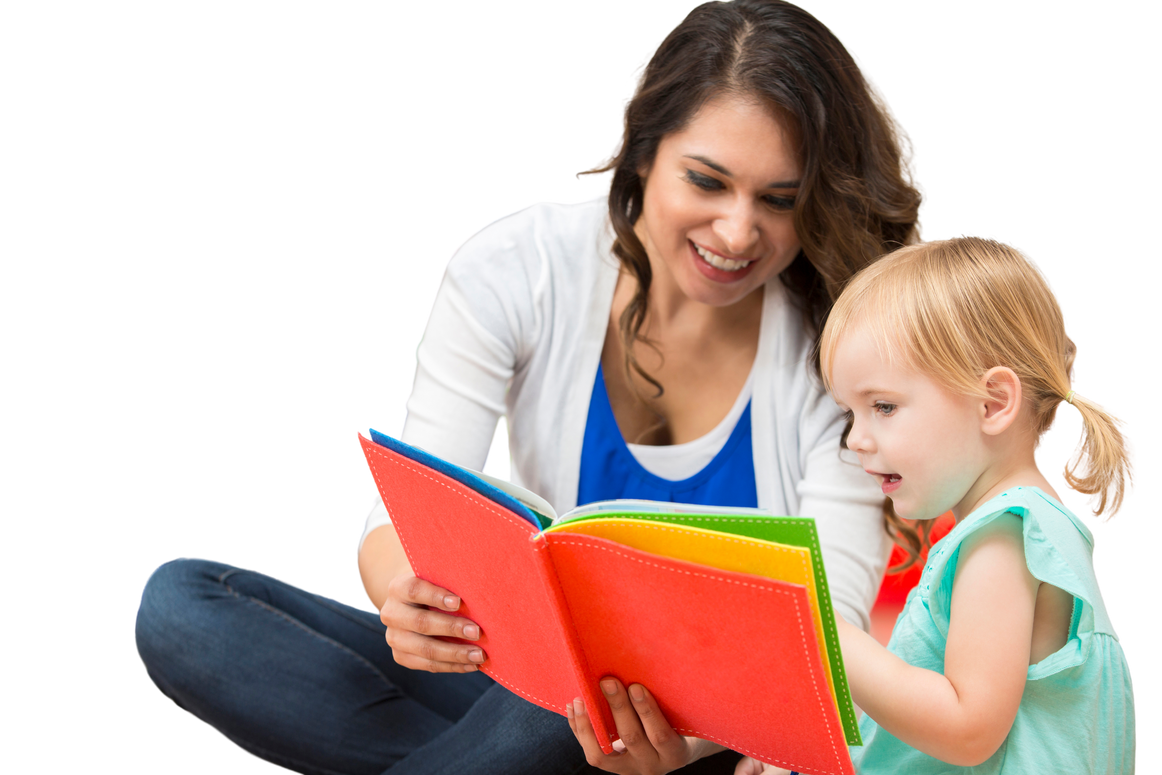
(716, 216)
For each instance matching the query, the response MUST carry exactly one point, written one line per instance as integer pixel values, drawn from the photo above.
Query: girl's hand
(648, 745)
(413, 619)
(749, 766)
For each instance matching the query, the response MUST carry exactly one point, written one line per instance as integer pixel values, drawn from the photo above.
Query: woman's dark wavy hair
(855, 201)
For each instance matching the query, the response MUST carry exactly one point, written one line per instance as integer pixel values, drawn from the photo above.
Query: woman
(756, 174)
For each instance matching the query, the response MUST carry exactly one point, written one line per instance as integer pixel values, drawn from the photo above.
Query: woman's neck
(675, 323)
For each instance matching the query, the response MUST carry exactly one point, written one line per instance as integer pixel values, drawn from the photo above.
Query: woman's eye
(703, 182)
(884, 408)
(710, 184)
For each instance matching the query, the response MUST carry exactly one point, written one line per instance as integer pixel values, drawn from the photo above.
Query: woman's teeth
(718, 262)
(891, 478)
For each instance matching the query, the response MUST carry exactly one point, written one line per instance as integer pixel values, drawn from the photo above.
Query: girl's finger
(748, 766)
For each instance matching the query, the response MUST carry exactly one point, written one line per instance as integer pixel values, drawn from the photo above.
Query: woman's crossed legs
(310, 684)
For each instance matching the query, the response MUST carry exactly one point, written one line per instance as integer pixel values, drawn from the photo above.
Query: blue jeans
(310, 684)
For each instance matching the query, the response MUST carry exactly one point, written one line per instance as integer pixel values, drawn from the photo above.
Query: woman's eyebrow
(724, 171)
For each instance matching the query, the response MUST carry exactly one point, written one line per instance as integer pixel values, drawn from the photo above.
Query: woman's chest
(700, 379)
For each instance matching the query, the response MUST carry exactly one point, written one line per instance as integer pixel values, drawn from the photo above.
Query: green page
(792, 531)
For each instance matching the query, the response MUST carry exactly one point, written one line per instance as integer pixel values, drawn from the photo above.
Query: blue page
(461, 475)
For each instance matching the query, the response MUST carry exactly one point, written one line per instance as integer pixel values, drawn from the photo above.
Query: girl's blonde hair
(954, 309)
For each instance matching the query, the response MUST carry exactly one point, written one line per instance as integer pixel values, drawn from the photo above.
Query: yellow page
(717, 550)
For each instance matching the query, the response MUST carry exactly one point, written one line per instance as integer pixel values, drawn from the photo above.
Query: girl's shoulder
(1040, 514)
(1058, 550)
(1038, 511)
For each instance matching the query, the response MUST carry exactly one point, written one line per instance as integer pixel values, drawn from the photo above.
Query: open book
(723, 614)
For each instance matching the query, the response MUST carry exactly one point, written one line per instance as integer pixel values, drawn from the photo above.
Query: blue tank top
(609, 470)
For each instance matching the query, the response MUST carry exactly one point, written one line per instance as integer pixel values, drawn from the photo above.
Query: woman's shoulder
(786, 379)
(545, 234)
(546, 243)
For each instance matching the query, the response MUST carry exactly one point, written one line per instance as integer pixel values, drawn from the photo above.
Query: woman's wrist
(700, 749)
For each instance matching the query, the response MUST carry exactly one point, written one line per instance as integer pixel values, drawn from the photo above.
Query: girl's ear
(1000, 409)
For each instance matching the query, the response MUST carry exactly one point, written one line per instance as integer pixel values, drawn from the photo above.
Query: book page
(634, 506)
(529, 498)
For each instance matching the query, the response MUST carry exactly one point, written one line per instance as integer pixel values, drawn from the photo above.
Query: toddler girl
(951, 359)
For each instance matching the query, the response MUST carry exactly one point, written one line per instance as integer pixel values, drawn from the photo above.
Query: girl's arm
(962, 716)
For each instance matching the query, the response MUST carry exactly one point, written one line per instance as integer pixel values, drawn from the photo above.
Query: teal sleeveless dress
(1077, 712)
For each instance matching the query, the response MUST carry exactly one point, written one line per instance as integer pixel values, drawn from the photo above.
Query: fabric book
(723, 614)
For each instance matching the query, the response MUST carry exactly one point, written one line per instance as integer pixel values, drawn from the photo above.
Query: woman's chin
(705, 289)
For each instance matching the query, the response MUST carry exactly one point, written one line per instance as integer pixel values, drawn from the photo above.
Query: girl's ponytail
(952, 310)
(1102, 452)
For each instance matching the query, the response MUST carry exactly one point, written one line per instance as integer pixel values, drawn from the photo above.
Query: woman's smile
(720, 268)
(717, 216)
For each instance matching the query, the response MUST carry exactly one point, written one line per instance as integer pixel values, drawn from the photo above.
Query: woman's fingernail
(471, 631)
(476, 655)
(578, 707)
(636, 693)
(451, 602)
(609, 687)
(569, 709)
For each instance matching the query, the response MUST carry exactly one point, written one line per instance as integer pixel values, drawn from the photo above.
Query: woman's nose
(737, 228)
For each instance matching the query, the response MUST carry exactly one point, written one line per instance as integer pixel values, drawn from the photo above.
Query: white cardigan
(517, 330)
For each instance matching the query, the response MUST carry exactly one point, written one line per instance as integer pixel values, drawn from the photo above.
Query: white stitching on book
(798, 613)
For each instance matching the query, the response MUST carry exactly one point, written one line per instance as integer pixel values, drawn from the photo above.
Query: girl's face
(922, 442)
(716, 217)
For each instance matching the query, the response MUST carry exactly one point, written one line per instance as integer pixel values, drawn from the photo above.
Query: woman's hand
(648, 745)
(749, 766)
(413, 617)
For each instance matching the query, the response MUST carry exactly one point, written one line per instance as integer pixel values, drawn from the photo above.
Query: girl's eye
(885, 408)
(704, 182)
(781, 203)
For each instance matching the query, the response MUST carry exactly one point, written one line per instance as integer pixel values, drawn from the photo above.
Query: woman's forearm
(381, 559)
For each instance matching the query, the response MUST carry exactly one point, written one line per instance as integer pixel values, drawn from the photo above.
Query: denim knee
(169, 609)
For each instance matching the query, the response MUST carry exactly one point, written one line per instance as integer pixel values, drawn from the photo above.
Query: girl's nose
(858, 439)
(737, 227)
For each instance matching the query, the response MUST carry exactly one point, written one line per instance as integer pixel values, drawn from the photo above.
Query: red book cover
(730, 657)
